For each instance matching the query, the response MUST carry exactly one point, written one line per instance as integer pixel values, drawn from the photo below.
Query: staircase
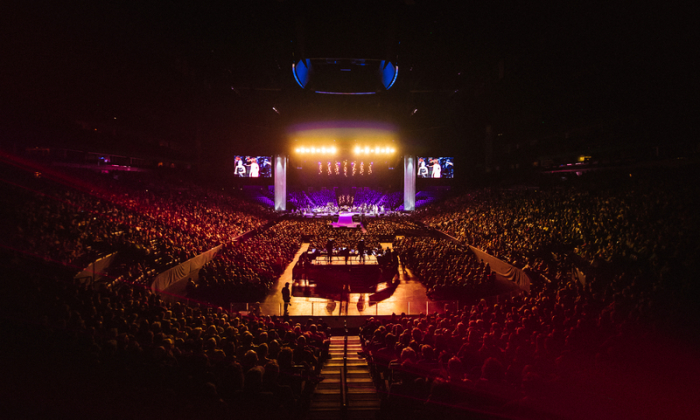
(347, 392)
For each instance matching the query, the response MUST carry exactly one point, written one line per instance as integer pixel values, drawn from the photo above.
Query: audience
(528, 355)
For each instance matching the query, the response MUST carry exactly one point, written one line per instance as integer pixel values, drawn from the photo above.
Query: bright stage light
(367, 149)
(383, 150)
(333, 150)
(323, 150)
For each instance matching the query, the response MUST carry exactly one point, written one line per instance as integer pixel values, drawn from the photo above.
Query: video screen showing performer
(435, 167)
(252, 166)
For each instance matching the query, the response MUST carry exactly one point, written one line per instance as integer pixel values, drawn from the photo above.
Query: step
(364, 404)
(350, 362)
(327, 405)
(327, 394)
(358, 380)
(363, 393)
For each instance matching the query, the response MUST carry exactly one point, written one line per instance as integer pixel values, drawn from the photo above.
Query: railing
(344, 374)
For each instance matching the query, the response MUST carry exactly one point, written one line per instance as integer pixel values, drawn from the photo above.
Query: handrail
(344, 372)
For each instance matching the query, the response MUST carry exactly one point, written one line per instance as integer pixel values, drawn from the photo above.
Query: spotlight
(367, 149)
(358, 150)
(383, 150)
(333, 150)
(323, 150)
(297, 150)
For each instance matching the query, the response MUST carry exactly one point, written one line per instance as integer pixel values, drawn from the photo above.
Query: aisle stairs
(347, 392)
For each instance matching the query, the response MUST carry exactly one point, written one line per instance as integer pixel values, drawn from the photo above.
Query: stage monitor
(252, 166)
(435, 167)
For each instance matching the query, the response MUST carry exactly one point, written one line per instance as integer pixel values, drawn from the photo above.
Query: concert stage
(327, 214)
(353, 259)
(370, 294)
(346, 220)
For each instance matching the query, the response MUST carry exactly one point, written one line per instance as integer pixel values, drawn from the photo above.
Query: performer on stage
(239, 169)
(254, 168)
(422, 169)
(361, 250)
(436, 168)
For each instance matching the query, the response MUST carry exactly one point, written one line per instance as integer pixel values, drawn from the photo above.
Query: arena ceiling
(219, 75)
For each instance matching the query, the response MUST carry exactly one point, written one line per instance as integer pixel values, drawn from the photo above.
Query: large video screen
(436, 167)
(252, 166)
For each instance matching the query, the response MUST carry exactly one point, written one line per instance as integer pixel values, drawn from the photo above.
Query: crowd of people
(446, 269)
(533, 355)
(644, 220)
(179, 360)
(391, 225)
(559, 353)
(245, 271)
(154, 225)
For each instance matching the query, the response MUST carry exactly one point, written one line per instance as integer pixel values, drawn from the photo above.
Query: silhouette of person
(286, 297)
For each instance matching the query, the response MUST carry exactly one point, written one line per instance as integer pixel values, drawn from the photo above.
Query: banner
(506, 270)
(95, 270)
(181, 271)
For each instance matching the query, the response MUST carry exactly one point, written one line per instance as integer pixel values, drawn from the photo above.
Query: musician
(329, 249)
(361, 250)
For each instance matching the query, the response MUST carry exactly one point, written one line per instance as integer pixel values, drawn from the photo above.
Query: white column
(409, 183)
(280, 183)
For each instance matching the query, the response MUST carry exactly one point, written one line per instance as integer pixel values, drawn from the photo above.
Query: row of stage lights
(377, 150)
(358, 150)
(322, 150)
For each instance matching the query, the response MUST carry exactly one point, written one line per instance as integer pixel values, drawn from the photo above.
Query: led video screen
(252, 166)
(435, 167)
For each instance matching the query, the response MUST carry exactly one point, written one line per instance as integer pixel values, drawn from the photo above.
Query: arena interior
(378, 210)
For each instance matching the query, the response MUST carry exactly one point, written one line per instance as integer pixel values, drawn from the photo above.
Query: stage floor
(345, 220)
(352, 260)
(407, 295)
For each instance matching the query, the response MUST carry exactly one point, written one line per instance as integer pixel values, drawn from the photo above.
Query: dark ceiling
(209, 73)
